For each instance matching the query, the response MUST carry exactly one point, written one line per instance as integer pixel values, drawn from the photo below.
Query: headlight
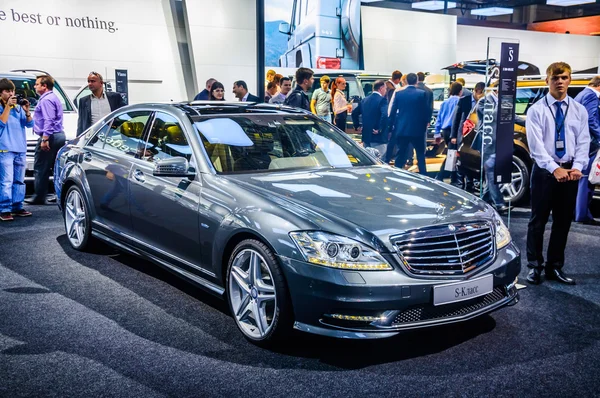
(502, 233)
(337, 251)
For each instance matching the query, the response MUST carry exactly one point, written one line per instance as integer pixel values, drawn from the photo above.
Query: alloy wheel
(513, 189)
(75, 219)
(252, 294)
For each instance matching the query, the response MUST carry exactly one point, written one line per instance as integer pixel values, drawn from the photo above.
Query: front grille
(31, 148)
(427, 313)
(452, 249)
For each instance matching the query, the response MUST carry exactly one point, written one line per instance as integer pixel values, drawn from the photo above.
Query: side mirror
(173, 167)
(284, 28)
(374, 152)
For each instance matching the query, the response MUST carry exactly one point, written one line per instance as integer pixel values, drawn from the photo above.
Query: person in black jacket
(98, 104)
(240, 90)
(298, 97)
(465, 105)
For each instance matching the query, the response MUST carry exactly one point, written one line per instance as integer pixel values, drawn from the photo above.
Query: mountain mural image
(275, 43)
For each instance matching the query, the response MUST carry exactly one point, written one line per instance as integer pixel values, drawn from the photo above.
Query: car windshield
(25, 88)
(255, 143)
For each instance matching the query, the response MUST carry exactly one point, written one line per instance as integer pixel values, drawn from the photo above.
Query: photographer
(14, 117)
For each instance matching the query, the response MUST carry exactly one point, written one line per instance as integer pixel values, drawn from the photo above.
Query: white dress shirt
(541, 133)
(245, 99)
(100, 107)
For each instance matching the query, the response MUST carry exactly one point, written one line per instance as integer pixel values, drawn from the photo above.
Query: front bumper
(324, 298)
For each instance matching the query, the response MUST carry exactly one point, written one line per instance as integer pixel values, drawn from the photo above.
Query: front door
(165, 209)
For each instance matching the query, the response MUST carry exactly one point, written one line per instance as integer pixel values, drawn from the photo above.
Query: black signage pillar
(507, 93)
(122, 84)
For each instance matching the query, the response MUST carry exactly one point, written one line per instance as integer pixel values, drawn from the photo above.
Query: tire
(76, 216)
(266, 296)
(519, 194)
(516, 192)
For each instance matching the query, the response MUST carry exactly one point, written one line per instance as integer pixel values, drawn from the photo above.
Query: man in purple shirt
(13, 146)
(48, 126)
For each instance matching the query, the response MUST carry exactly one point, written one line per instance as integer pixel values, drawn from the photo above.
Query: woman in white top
(340, 105)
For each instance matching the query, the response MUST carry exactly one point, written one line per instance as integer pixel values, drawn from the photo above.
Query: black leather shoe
(34, 201)
(559, 276)
(591, 222)
(535, 276)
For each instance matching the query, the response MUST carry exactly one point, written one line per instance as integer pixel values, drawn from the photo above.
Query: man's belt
(566, 165)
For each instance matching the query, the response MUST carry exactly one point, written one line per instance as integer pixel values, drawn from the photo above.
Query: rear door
(107, 161)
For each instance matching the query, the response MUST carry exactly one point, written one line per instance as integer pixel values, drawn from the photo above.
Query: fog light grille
(426, 313)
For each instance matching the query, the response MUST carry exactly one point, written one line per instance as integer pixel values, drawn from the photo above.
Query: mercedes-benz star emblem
(452, 228)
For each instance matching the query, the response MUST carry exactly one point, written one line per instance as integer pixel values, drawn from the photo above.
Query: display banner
(317, 34)
(505, 116)
(122, 84)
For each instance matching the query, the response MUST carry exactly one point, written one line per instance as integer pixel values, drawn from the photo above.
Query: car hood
(380, 200)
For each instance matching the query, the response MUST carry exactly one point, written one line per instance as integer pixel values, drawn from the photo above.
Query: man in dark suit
(421, 85)
(98, 104)
(409, 117)
(392, 84)
(204, 95)
(374, 117)
(240, 89)
(589, 98)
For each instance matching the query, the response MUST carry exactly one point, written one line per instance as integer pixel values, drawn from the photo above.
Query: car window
(527, 96)
(438, 94)
(24, 87)
(367, 86)
(166, 140)
(126, 132)
(573, 91)
(97, 141)
(254, 143)
(83, 93)
(62, 97)
(352, 89)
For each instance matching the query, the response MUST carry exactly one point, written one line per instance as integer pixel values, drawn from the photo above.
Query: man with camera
(14, 117)
(48, 125)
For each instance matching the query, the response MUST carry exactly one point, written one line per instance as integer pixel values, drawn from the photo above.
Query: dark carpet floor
(107, 324)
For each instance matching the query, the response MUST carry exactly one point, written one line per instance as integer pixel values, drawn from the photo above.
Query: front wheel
(257, 293)
(77, 219)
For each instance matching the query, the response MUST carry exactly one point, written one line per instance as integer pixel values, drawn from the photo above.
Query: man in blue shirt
(589, 98)
(13, 146)
(443, 126)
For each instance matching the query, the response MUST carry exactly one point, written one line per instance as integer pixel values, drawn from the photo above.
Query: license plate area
(464, 290)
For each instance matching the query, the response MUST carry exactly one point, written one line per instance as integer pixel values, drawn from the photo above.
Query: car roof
(17, 75)
(204, 108)
(577, 79)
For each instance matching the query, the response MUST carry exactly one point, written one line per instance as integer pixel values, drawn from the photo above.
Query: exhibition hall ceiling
(539, 13)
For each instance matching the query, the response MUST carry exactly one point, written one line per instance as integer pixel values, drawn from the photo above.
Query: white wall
(223, 41)
(538, 48)
(406, 40)
(143, 43)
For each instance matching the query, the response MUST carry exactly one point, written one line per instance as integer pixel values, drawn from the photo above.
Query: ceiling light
(491, 11)
(567, 3)
(433, 5)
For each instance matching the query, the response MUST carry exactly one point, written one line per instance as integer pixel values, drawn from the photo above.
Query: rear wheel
(517, 191)
(257, 294)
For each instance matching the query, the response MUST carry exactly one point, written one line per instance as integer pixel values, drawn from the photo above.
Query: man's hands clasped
(564, 175)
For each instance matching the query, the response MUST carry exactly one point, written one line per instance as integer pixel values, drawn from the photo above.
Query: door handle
(139, 175)
(87, 156)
